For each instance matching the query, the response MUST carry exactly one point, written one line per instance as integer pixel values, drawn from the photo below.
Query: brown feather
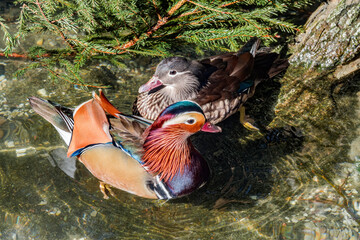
(219, 94)
(129, 131)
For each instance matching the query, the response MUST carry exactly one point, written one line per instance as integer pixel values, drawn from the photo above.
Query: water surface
(288, 183)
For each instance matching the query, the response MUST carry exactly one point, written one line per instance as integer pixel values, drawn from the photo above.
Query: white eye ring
(190, 121)
(172, 73)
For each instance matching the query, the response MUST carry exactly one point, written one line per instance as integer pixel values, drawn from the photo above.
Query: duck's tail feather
(278, 66)
(267, 63)
(112, 110)
(250, 46)
(59, 116)
(106, 104)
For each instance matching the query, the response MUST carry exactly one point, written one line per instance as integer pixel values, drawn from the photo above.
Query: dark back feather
(129, 132)
(224, 83)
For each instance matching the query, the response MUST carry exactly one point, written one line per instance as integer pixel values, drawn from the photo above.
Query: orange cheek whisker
(169, 156)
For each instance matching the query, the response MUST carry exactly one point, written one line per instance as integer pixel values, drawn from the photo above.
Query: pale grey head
(177, 78)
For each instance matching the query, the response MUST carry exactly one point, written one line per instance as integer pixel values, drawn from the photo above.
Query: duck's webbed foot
(105, 189)
(246, 121)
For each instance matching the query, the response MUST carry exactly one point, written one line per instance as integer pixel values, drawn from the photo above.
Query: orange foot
(105, 188)
(245, 121)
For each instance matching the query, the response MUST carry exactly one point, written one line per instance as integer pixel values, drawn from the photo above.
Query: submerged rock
(324, 56)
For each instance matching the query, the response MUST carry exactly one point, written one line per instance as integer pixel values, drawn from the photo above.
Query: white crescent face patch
(189, 118)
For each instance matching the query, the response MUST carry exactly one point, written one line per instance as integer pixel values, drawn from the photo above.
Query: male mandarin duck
(155, 160)
(219, 84)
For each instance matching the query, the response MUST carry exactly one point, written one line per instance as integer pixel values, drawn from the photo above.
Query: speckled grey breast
(150, 106)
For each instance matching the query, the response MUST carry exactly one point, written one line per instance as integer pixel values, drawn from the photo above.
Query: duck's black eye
(190, 121)
(172, 72)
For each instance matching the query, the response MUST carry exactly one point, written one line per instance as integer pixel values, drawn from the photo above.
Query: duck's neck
(182, 90)
(167, 152)
(150, 105)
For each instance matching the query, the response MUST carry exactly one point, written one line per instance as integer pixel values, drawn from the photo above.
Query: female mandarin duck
(220, 84)
(126, 152)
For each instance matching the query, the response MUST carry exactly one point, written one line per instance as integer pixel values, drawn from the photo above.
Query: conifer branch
(134, 12)
(67, 80)
(60, 32)
(231, 3)
(156, 9)
(195, 11)
(14, 55)
(17, 55)
(161, 22)
(176, 7)
(63, 18)
(115, 29)
(208, 8)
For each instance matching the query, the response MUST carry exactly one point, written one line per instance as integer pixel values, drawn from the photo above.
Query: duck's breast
(194, 176)
(115, 167)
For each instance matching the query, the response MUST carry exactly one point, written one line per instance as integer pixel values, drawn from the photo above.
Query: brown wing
(224, 83)
(128, 131)
(220, 98)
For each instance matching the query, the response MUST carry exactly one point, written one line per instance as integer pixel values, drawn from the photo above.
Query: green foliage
(116, 28)
(9, 40)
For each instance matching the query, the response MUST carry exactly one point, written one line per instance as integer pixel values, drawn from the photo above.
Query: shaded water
(283, 184)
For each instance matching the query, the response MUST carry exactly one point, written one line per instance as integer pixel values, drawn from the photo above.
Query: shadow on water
(242, 161)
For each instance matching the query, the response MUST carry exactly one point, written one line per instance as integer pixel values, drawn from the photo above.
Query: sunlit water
(285, 184)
